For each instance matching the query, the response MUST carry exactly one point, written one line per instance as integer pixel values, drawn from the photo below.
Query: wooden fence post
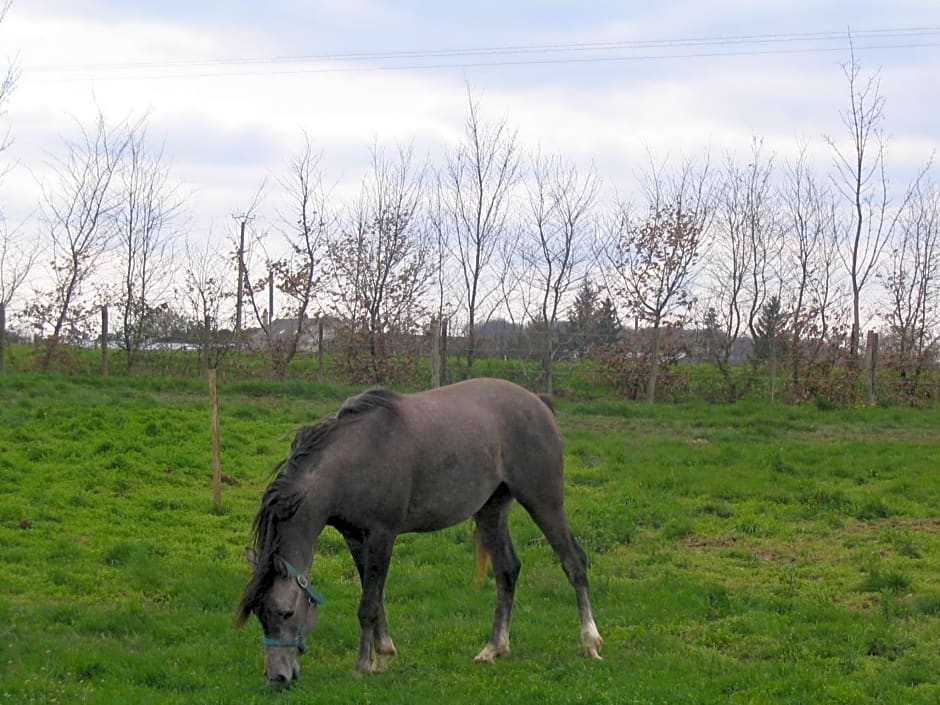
(443, 351)
(871, 361)
(270, 298)
(216, 441)
(104, 340)
(320, 350)
(435, 352)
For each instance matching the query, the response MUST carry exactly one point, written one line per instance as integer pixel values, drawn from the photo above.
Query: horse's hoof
(591, 643)
(490, 653)
(381, 661)
(592, 648)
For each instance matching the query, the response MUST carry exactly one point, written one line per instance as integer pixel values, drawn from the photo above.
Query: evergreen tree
(607, 326)
(768, 328)
(592, 323)
(581, 319)
(584, 310)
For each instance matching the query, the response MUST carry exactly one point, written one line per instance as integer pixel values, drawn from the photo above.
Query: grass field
(738, 554)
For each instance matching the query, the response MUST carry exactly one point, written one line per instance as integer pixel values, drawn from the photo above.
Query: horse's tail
(479, 556)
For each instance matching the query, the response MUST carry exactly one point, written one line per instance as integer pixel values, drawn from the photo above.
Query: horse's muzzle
(282, 675)
(280, 682)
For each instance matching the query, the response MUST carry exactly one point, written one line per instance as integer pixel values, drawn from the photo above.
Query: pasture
(737, 554)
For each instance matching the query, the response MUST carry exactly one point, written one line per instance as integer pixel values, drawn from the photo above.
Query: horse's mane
(377, 398)
(282, 497)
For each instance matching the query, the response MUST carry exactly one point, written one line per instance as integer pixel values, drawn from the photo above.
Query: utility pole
(270, 298)
(242, 274)
(243, 219)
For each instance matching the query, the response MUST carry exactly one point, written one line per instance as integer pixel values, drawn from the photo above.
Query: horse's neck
(299, 536)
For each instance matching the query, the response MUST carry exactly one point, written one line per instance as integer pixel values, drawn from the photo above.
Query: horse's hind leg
(550, 518)
(493, 527)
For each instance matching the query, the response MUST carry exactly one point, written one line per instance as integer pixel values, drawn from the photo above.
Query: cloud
(228, 125)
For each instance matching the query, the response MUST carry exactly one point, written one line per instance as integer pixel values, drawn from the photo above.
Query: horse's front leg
(376, 554)
(382, 645)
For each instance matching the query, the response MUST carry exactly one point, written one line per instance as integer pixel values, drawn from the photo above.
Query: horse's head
(287, 608)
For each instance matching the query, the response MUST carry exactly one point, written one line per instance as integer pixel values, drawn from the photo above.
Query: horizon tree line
(737, 247)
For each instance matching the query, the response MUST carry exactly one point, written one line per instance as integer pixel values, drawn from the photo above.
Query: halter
(313, 597)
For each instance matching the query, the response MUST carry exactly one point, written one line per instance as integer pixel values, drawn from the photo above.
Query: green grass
(738, 554)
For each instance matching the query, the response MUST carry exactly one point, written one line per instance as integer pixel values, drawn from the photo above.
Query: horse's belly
(447, 499)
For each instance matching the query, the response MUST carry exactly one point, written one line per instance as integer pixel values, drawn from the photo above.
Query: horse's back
(487, 411)
(485, 432)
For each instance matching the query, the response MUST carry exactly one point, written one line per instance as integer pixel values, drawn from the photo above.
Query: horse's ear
(251, 557)
(279, 566)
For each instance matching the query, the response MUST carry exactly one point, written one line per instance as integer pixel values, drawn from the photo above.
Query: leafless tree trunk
(655, 250)
(556, 246)
(382, 262)
(861, 179)
(148, 204)
(76, 209)
(474, 190)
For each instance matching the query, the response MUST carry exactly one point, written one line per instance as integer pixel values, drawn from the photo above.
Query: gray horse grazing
(390, 463)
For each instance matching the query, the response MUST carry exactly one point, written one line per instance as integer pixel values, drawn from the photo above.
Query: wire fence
(573, 365)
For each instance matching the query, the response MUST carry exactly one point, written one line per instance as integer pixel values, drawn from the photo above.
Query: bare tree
(381, 264)
(300, 274)
(447, 280)
(206, 290)
(147, 208)
(76, 208)
(809, 262)
(912, 286)
(556, 247)
(654, 251)
(474, 191)
(746, 234)
(17, 253)
(861, 179)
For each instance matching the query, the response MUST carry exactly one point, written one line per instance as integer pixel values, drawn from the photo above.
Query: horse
(389, 463)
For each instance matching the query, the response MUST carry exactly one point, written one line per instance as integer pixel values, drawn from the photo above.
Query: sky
(230, 87)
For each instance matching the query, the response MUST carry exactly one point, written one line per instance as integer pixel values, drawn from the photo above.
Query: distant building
(282, 329)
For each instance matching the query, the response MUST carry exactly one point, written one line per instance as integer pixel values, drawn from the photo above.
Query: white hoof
(591, 642)
(492, 652)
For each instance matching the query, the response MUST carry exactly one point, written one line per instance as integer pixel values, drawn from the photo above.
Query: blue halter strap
(313, 597)
(304, 584)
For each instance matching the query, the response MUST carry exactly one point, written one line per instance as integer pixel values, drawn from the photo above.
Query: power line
(898, 33)
(728, 46)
